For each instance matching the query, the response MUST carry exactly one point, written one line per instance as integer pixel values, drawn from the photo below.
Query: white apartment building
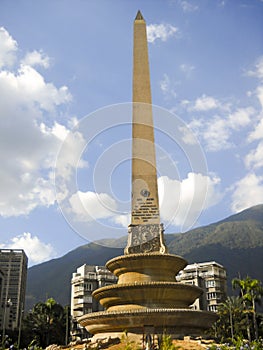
(211, 277)
(84, 281)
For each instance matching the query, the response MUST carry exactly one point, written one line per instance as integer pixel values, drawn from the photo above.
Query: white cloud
(122, 220)
(214, 133)
(181, 202)
(257, 133)
(205, 103)
(259, 94)
(166, 87)
(187, 69)
(247, 192)
(36, 58)
(217, 131)
(8, 48)
(29, 88)
(90, 206)
(160, 31)
(28, 146)
(35, 250)
(187, 6)
(240, 118)
(257, 72)
(254, 158)
(187, 135)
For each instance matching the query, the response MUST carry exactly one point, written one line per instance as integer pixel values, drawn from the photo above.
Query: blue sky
(66, 85)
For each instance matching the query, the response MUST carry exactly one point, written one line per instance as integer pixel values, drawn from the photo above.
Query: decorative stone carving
(145, 239)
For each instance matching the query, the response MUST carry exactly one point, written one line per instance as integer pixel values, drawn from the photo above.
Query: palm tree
(231, 318)
(251, 292)
(46, 323)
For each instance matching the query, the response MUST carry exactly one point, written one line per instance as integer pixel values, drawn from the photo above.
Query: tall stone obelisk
(147, 294)
(145, 230)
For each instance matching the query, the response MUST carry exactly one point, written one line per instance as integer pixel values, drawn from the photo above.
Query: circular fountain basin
(146, 267)
(147, 295)
(175, 322)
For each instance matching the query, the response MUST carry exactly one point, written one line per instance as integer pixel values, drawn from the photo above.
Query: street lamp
(8, 303)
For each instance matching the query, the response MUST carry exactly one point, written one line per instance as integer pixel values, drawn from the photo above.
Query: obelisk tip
(139, 16)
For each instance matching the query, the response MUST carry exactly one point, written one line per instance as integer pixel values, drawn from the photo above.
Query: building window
(212, 295)
(210, 283)
(88, 286)
(212, 308)
(88, 299)
(80, 287)
(87, 310)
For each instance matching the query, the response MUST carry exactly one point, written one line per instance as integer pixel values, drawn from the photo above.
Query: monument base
(174, 322)
(147, 295)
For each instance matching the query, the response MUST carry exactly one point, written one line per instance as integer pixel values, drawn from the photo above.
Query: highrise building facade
(1, 284)
(212, 278)
(84, 281)
(13, 275)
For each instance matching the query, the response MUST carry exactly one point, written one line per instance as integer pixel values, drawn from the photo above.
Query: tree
(251, 292)
(46, 323)
(231, 322)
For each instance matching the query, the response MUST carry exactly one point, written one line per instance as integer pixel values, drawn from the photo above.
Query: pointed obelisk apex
(145, 230)
(139, 16)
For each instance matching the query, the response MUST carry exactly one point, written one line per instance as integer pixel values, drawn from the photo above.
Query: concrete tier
(175, 322)
(147, 294)
(146, 267)
(150, 295)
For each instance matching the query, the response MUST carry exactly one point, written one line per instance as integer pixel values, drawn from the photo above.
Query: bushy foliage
(45, 325)
(239, 344)
(167, 343)
(238, 318)
(127, 343)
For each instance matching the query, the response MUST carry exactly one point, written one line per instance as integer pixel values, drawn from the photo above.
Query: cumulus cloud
(187, 135)
(36, 250)
(187, 6)
(257, 70)
(257, 133)
(187, 69)
(259, 94)
(247, 192)
(89, 206)
(30, 136)
(167, 87)
(254, 159)
(8, 48)
(122, 220)
(216, 131)
(160, 31)
(27, 88)
(181, 202)
(36, 58)
(205, 103)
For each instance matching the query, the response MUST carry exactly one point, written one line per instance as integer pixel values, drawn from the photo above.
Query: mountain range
(235, 242)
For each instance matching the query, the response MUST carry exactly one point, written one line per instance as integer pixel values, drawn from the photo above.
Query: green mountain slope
(236, 243)
(52, 278)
